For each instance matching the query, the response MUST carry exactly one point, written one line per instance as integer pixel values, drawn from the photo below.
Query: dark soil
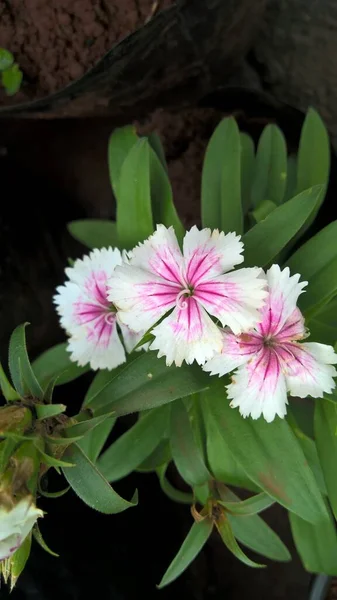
(58, 41)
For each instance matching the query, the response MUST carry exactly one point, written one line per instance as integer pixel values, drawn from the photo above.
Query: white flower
(88, 316)
(269, 359)
(195, 284)
(15, 524)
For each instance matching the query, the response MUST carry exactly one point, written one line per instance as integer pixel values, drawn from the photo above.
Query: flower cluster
(198, 308)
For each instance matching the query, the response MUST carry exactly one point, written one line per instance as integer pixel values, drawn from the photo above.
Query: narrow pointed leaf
(313, 153)
(38, 537)
(170, 491)
(255, 534)
(326, 441)
(192, 545)
(90, 485)
(271, 456)
(120, 143)
(134, 212)
(134, 446)
(290, 190)
(323, 324)
(316, 544)
(270, 167)
(159, 457)
(262, 210)
(157, 146)
(45, 411)
(247, 170)
(221, 461)
(19, 559)
(94, 233)
(56, 362)
(315, 254)
(225, 530)
(266, 239)
(20, 368)
(185, 451)
(86, 425)
(322, 289)
(145, 383)
(7, 389)
(163, 207)
(221, 179)
(251, 506)
(54, 494)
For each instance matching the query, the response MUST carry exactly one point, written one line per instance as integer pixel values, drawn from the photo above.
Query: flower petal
(259, 387)
(284, 291)
(293, 329)
(160, 254)
(210, 253)
(97, 343)
(187, 334)
(236, 351)
(141, 297)
(308, 369)
(131, 338)
(84, 297)
(234, 298)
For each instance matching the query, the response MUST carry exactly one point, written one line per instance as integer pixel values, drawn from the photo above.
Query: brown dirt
(184, 135)
(332, 594)
(57, 41)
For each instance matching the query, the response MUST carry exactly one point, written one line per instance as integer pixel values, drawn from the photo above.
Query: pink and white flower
(269, 360)
(195, 284)
(16, 522)
(88, 316)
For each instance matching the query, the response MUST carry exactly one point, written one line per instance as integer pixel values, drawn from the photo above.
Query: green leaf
(266, 239)
(224, 528)
(134, 213)
(56, 362)
(310, 452)
(326, 441)
(192, 545)
(170, 491)
(20, 368)
(313, 154)
(291, 178)
(271, 456)
(254, 533)
(313, 162)
(313, 256)
(220, 460)
(221, 179)
(321, 290)
(271, 167)
(6, 59)
(134, 446)
(38, 537)
(94, 233)
(7, 389)
(251, 506)
(87, 424)
(146, 383)
(120, 143)
(316, 544)
(157, 146)
(45, 411)
(90, 485)
(19, 559)
(163, 207)
(159, 457)
(11, 79)
(263, 210)
(185, 451)
(247, 170)
(323, 325)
